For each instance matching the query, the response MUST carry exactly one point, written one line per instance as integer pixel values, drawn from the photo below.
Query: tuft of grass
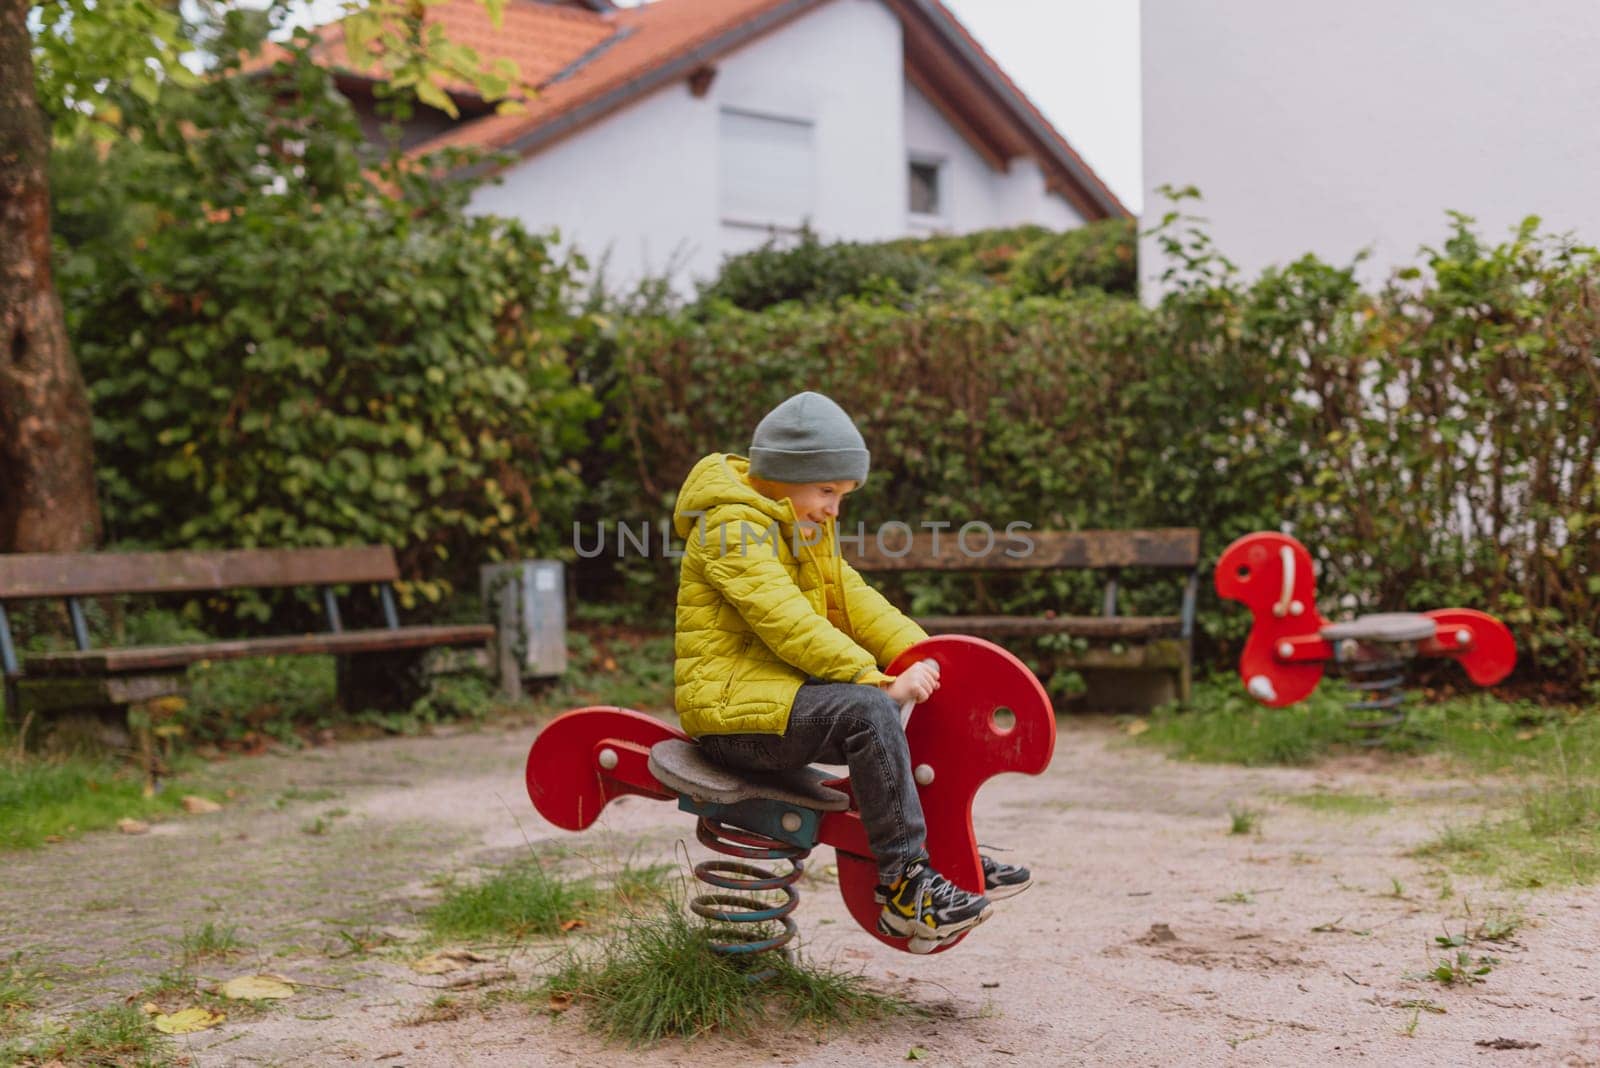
(522, 900)
(1243, 820)
(46, 799)
(440, 1010)
(114, 1036)
(1238, 897)
(19, 992)
(209, 942)
(635, 886)
(1498, 926)
(659, 977)
(1348, 804)
(1460, 969)
(295, 793)
(527, 899)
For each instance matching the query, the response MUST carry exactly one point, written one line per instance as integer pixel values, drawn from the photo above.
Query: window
(767, 169)
(925, 188)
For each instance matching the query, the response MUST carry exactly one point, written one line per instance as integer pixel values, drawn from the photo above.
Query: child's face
(814, 502)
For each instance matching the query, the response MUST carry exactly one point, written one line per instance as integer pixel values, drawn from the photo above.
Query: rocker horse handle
(990, 715)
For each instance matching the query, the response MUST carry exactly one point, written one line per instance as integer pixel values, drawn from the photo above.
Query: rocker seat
(683, 766)
(1382, 627)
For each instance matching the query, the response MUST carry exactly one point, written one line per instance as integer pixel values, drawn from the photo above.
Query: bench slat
(1109, 627)
(1173, 547)
(161, 657)
(32, 575)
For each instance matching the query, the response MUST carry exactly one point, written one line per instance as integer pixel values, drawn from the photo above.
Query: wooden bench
(380, 668)
(1132, 662)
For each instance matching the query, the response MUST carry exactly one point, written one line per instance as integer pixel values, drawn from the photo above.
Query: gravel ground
(1152, 935)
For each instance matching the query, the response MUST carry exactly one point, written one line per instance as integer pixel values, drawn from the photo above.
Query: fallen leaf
(447, 960)
(150, 1008)
(1138, 727)
(188, 1021)
(199, 805)
(610, 664)
(166, 706)
(256, 988)
(572, 925)
(916, 1053)
(132, 826)
(54, 838)
(560, 1002)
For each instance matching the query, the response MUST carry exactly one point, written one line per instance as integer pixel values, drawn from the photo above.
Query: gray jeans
(855, 725)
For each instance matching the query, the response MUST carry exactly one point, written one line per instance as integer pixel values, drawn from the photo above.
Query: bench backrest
(1171, 547)
(38, 575)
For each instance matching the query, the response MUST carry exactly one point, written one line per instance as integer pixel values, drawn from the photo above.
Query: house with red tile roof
(664, 137)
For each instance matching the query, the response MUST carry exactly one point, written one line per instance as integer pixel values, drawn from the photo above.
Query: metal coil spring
(748, 879)
(1378, 686)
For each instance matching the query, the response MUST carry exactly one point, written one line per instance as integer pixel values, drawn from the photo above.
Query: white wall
(1333, 127)
(641, 186)
(974, 196)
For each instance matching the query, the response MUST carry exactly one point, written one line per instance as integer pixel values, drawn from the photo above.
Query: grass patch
(1224, 725)
(1243, 820)
(209, 942)
(522, 900)
(43, 800)
(1344, 804)
(659, 979)
(528, 899)
(19, 992)
(117, 1036)
(1552, 834)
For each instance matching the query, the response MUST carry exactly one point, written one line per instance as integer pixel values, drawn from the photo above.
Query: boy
(779, 646)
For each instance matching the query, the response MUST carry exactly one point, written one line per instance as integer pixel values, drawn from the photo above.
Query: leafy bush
(815, 272)
(1033, 260)
(291, 353)
(1432, 443)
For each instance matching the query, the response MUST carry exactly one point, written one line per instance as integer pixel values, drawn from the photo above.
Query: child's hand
(916, 683)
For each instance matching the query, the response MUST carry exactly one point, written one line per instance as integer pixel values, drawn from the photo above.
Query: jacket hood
(718, 481)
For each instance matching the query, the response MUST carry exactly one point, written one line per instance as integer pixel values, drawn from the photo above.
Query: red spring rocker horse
(959, 738)
(1291, 644)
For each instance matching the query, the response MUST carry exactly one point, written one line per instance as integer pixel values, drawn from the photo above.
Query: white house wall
(639, 189)
(1332, 127)
(975, 196)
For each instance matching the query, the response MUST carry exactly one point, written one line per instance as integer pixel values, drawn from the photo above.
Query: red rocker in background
(1290, 643)
(989, 716)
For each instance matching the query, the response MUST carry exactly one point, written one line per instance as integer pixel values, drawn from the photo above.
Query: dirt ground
(1153, 936)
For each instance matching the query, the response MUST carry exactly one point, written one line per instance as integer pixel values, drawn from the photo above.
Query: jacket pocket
(733, 672)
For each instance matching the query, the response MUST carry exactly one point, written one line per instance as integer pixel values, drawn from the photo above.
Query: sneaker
(924, 905)
(1001, 881)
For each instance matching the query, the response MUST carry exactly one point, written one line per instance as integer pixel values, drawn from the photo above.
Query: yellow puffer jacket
(754, 622)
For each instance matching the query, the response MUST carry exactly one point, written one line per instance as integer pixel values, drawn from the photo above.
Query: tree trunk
(47, 494)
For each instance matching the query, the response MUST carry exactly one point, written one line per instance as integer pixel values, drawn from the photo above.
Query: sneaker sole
(1000, 893)
(897, 928)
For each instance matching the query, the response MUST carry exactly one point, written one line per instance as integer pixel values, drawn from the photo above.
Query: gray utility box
(526, 602)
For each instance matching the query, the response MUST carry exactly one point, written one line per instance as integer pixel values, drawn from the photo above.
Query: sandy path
(1073, 972)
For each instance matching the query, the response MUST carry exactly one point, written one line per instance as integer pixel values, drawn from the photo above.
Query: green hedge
(1024, 261)
(282, 350)
(1433, 443)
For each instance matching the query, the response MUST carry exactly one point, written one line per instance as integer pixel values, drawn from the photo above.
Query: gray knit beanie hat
(808, 438)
